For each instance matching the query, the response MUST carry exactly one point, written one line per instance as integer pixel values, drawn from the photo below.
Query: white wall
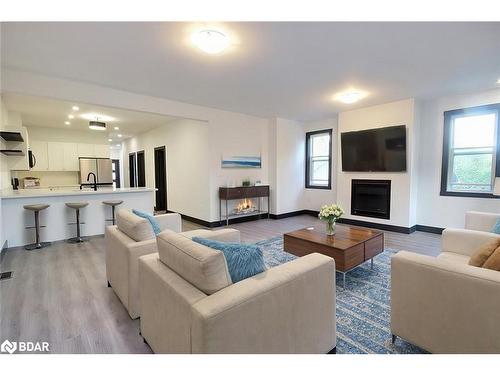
(390, 114)
(48, 134)
(188, 160)
(433, 209)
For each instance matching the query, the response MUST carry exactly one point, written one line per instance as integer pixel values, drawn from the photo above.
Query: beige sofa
(442, 304)
(482, 221)
(190, 305)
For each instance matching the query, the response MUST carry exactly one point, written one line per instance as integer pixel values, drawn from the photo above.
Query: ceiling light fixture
(71, 116)
(119, 135)
(75, 108)
(67, 123)
(210, 41)
(498, 80)
(110, 140)
(95, 116)
(97, 125)
(349, 97)
(116, 128)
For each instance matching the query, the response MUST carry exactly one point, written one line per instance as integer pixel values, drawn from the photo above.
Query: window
(470, 152)
(319, 159)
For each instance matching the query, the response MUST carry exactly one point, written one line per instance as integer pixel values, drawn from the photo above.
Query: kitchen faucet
(95, 180)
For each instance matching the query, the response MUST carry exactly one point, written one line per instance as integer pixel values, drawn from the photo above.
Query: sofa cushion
(154, 223)
(483, 252)
(454, 257)
(243, 260)
(493, 262)
(202, 266)
(134, 226)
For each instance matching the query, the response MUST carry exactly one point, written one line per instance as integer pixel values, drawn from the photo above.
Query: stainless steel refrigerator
(102, 168)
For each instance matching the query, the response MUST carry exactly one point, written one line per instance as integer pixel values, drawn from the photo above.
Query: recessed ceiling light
(67, 123)
(116, 128)
(119, 135)
(71, 116)
(210, 41)
(75, 108)
(349, 97)
(110, 140)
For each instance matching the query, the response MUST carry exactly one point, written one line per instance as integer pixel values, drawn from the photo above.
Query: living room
(277, 188)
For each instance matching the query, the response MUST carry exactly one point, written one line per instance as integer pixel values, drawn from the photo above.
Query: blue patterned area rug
(363, 308)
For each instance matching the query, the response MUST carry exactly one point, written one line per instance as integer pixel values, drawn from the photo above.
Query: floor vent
(5, 275)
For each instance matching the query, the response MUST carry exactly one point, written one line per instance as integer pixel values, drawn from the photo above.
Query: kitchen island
(56, 218)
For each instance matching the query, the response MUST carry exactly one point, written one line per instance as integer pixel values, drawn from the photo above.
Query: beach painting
(241, 162)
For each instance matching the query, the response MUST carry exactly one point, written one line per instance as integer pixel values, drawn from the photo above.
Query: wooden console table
(232, 193)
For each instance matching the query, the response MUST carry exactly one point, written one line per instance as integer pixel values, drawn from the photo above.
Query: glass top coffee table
(349, 246)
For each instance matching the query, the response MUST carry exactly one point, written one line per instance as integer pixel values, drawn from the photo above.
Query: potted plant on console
(330, 213)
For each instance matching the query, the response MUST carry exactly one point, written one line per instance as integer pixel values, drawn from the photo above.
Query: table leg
(343, 280)
(371, 263)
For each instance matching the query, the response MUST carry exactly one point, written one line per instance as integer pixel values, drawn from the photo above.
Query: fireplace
(371, 198)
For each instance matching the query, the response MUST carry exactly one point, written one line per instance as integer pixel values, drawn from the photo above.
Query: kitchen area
(74, 163)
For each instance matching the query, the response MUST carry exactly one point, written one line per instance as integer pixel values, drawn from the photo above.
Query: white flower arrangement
(330, 212)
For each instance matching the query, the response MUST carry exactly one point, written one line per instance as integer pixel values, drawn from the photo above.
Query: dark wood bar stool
(36, 208)
(113, 204)
(77, 206)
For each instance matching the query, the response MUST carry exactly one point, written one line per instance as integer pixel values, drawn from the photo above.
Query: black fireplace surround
(371, 198)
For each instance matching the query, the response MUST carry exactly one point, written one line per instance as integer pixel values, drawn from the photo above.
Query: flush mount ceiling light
(116, 128)
(210, 41)
(75, 108)
(97, 125)
(349, 97)
(71, 116)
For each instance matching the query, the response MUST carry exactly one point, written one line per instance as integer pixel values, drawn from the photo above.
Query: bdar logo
(9, 347)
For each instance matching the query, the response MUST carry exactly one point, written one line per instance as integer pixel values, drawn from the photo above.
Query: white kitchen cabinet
(56, 156)
(40, 152)
(101, 151)
(86, 150)
(71, 157)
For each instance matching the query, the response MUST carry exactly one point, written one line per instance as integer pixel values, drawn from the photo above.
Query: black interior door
(116, 172)
(160, 179)
(141, 169)
(131, 168)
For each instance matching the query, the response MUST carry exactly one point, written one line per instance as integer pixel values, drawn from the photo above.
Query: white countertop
(33, 193)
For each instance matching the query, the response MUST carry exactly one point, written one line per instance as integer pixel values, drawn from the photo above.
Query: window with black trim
(470, 151)
(319, 159)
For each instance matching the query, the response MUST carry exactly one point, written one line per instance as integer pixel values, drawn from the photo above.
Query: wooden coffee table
(349, 246)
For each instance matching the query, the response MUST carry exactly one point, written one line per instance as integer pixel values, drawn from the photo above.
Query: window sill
(319, 187)
(468, 195)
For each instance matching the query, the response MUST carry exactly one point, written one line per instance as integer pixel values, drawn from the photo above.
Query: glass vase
(330, 228)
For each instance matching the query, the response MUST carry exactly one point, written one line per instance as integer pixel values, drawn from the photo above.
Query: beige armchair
(442, 304)
(190, 305)
(130, 238)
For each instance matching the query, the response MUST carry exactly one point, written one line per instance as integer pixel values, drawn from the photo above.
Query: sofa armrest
(444, 306)
(224, 235)
(286, 309)
(172, 221)
(465, 241)
(483, 221)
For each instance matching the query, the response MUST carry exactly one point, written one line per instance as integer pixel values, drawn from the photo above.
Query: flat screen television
(374, 150)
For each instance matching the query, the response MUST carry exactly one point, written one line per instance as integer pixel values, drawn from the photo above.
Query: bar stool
(36, 208)
(113, 204)
(77, 206)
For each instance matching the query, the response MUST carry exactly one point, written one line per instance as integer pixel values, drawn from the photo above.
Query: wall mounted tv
(374, 150)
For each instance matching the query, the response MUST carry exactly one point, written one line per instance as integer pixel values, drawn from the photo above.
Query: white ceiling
(289, 70)
(37, 111)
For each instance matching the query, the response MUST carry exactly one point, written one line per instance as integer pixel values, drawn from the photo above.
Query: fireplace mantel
(242, 192)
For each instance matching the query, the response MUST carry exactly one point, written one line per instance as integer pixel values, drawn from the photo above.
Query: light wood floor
(59, 294)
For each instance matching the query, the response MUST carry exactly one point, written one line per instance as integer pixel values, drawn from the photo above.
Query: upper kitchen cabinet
(86, 150)
(101, 151)
(70, 153)
(40, 153)
(56, 156)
